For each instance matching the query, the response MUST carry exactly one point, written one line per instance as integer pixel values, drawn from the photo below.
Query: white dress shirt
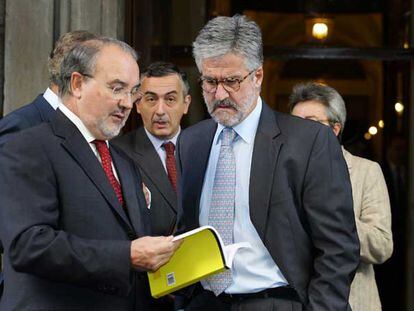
(157, 143)
(253, 268)
(52, 98)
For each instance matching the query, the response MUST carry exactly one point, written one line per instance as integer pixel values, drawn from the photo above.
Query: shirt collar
(157, 142)
(78, 123)
(52, 98)
(248, 127)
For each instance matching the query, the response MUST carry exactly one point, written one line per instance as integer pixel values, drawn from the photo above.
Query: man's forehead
(161, 85)
(223, 67)
(113, 63)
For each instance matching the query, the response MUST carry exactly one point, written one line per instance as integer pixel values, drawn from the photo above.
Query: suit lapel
(151, 165)
(197, 164)
(129, 191)
(266, 150)
(80, 150)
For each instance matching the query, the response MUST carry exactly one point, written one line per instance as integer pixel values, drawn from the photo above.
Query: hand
(150, 253)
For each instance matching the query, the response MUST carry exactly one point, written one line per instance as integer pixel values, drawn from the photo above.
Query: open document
(200, 255)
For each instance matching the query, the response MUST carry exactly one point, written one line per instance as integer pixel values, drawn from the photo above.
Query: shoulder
(292, 124)
(362, 165)
(131, 140)
(200, 128)
(30, 112)
(30, 143)
(302, 133)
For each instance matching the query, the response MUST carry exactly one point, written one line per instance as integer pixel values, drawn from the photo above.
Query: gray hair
(82, 58)
(224, 34)
(62, 47)
(326, 95)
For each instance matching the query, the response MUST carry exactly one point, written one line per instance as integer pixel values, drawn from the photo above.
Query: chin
(227, 119)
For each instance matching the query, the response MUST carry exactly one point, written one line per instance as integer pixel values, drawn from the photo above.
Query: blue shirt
(253, 268)
(157, 143)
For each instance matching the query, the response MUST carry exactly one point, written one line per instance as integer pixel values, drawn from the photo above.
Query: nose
(127, 102)
(160, 108)
(220, 93)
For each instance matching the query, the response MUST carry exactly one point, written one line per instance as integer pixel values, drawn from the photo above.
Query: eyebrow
(155, 94)
(123, 83)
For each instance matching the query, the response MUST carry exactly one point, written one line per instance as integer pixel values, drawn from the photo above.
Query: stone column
(31, 29)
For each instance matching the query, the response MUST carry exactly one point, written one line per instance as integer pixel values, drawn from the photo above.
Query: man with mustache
(165, 99)
(73, 218)
(274, 181)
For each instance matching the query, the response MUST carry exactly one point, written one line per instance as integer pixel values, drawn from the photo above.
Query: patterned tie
(106, 160)
(170, 163)
(221, 214)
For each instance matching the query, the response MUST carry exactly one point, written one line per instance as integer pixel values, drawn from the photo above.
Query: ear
(336, 128)
(259, 76)
(187, 101)
(76, 81)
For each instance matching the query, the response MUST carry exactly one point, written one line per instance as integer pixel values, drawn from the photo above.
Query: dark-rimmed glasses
(231, 84)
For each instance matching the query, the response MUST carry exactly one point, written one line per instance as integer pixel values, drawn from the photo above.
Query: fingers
(150, 253)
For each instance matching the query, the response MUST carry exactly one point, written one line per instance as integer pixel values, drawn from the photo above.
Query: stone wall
(31, 30)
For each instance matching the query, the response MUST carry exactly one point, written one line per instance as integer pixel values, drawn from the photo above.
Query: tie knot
(169, 147)
(100, 145)
(227, 136)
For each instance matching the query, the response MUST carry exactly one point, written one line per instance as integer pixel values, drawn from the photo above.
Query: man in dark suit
(165, 99)
(43, 107)
(274, 181)
(72, 214)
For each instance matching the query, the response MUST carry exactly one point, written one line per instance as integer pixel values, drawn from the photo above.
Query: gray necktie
(221, 213)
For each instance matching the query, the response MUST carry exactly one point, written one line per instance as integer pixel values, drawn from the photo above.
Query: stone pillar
(28, 42)
(32, 28)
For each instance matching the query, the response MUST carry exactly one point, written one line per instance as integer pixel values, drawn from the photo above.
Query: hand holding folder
(201, 254)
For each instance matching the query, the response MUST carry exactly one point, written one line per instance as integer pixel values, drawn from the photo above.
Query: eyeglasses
(231, 84)
(120, 92)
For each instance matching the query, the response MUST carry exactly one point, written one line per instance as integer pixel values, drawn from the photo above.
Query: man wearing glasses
(73, 217)
(265, 178)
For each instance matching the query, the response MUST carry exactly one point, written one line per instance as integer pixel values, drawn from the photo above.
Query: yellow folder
(200, 255)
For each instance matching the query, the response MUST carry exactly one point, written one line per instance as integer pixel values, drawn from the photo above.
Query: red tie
(170, 163)
(106, 160)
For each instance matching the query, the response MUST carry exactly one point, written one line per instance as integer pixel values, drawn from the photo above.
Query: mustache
(225, 103)
(160, 119)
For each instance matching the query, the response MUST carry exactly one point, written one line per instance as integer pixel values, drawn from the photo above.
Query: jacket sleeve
(374, 221)
(327, 200)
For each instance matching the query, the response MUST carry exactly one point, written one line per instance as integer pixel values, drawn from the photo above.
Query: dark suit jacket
(66, 237)
(300, 202)
(36, 112)
(32, 114)
(163, 198)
